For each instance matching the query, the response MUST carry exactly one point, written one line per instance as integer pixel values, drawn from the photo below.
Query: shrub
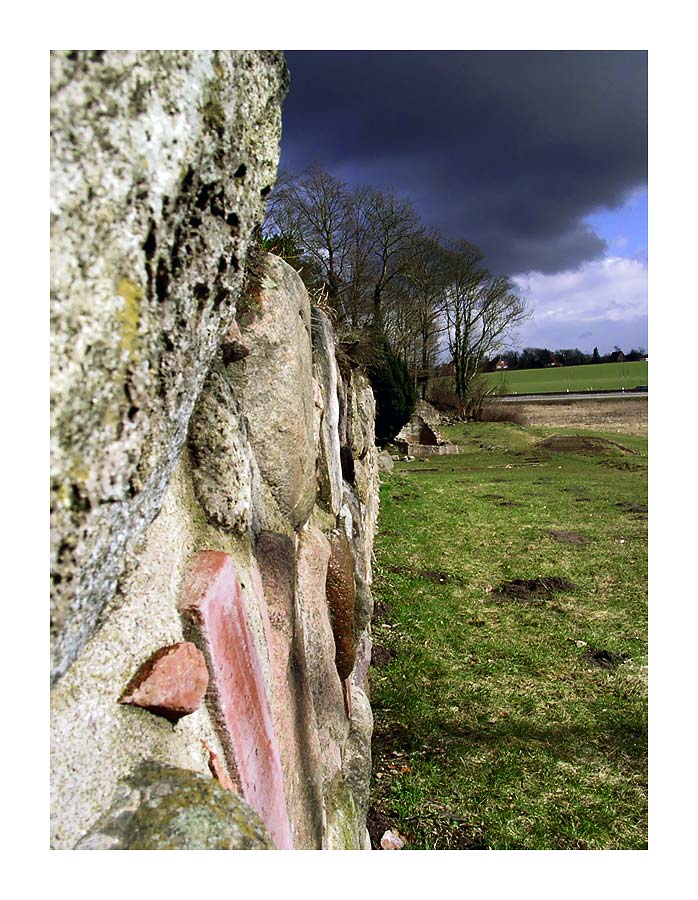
(502, 412)
(393, 389)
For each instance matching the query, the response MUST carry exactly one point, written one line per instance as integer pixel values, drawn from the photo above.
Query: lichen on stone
(161, 807)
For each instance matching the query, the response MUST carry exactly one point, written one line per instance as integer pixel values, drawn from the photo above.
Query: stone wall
(211, 565)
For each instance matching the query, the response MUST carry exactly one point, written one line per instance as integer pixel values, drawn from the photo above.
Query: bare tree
(481, 309)
(314, 212)
(393, 226)
(425, 281)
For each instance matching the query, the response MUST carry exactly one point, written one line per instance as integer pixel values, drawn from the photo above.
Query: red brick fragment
(172, 683)
(217, 769)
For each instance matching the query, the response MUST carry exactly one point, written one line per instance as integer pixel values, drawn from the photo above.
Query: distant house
(501, 364)
(618, 356)
(553, 361)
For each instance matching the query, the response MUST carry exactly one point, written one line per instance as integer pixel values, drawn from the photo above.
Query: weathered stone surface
(223, 463)
(341, 599)
(344, 830)
(172, 683)
(358, 522)
(363, 609)
(213, 606)
(274, 385)
(218, 770)
(363, 661)
(361, 415)
(385, 462)
(325, 366)
(414, 450)
(164, 808)
(419, 431)
(357, 752)
(158, 164)
(325, 685)
(233, 346)
(429, 413)
(292, 706)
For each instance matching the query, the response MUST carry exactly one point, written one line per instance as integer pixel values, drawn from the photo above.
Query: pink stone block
(172, 683)
(292, 703)
(213, 603)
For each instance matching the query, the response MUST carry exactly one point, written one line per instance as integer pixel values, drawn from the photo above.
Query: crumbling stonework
(419, 436)
(197, 488)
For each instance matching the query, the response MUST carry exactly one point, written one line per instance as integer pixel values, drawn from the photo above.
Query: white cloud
(602, 300)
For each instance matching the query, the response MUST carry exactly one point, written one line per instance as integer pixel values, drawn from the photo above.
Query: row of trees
(387, 280)
(541, 357)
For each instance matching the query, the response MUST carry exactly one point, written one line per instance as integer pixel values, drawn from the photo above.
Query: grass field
(600, 377)
(513, 715)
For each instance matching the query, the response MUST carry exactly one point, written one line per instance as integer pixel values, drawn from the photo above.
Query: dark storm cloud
(507, 149)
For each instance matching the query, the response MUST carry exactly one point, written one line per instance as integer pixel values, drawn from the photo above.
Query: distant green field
(601, 377)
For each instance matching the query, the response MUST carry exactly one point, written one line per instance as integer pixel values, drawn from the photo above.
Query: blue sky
(602, 302)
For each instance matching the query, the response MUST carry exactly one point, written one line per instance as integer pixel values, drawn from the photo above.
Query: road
(549, 398)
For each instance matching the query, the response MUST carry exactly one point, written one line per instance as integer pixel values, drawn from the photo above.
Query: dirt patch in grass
(578, 443)
(382, 611)
(436, 577)
(632, 507)
(533, 589)
(377, 823)
(603, 659)
(403, 498)
(568, 537)
(428, 574)
(381, 656)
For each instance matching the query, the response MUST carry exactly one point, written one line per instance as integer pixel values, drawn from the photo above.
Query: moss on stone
(343, 820)
(177, 810)
(212, 109)
(129, 315)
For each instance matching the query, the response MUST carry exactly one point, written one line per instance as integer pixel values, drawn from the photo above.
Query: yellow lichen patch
(129, 315)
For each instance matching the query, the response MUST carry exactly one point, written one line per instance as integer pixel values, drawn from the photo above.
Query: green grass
(600, 377)
(492, 728)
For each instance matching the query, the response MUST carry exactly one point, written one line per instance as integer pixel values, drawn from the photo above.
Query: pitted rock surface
(158, 164)
(223, 465)
(274, 385)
